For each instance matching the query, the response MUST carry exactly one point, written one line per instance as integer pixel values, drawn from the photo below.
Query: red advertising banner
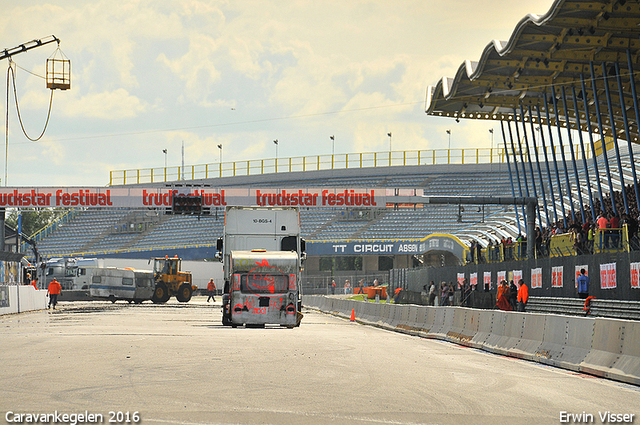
(556, 276)
(635, 275)
(608, 276)
(150, 197)
(536, 278)
(487, 279)
(473, 278)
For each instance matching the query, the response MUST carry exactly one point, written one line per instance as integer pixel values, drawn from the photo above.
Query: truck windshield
(264, 284)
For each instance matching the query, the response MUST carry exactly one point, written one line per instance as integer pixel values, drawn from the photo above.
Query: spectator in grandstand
(444, 294)
(211, 288)
(53, 291)
(583, 284)
(523, 295)
(432, 293)
(614, 224)
(591, 237)
(603, 224)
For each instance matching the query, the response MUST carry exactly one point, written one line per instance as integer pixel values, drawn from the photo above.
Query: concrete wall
(607, 348)
(21, 298)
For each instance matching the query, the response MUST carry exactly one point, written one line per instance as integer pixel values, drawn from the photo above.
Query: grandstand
(95, 231)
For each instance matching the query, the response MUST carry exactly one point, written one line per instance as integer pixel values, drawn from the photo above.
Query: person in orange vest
(523, 295)
(397, 295)
(34, 283)
(53, 291)
(211, 287)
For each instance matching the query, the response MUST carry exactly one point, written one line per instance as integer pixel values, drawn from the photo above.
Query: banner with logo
(159, 197)
(473, 279)
(487, 279)
(536, 278)
(556, 276)
(635, 275)
(517, 275)
(608, 276)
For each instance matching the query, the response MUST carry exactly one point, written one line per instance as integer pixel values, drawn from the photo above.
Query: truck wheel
(161, 294)
(225, 321)
(112, 298)
(184, 293)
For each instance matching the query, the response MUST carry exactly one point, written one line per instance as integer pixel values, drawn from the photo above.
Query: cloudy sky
(149, 75)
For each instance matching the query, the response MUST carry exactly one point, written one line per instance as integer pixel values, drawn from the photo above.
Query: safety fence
(494, 155)
(346, 283)
(609, 348)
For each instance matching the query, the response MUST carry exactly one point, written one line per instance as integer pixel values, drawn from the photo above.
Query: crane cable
(11, 71)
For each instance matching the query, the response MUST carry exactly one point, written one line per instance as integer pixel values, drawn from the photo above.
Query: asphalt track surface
(176, 364)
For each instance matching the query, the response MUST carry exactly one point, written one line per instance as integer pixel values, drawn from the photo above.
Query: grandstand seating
(95, 230)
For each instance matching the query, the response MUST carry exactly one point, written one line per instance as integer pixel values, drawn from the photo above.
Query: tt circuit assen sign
(436, 242)
(153, 197)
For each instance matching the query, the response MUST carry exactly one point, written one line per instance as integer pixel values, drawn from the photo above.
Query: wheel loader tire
(161, 294)
(184, 293)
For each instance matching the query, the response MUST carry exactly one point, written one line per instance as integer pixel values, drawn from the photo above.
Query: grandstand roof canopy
(544, 54)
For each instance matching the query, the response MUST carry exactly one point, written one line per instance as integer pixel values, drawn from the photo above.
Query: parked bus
(134, 286)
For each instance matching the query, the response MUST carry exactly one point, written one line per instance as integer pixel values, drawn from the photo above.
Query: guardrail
(316, 163)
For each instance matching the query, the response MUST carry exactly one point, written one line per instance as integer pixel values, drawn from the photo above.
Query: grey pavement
(176, 364)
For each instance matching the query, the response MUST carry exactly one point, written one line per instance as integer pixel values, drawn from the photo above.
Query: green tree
(33, 220)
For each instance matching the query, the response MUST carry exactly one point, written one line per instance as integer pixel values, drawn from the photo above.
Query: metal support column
(615, 137)
(533, 177)
(602, 142)
(573, 156)
(627, 132)
(564, 159)
(535, 149)
(546, 160)
(506, 152)
(555, 161)
(592, 144)
(515, 163)
(584, 154)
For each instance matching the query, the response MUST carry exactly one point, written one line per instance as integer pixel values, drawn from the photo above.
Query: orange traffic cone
(353, 315)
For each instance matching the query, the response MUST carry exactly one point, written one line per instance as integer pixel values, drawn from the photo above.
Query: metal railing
(313, 163)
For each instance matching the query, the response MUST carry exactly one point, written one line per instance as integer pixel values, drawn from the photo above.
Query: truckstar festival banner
(154, 197)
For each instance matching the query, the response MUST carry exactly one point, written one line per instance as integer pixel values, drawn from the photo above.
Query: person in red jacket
(53, 291)
(523, 295)
(211, 287)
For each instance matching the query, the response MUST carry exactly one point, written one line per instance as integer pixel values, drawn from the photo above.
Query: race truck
(262, 255)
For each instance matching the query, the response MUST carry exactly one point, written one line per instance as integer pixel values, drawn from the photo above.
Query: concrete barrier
(513, 327)
(21, 298)
(485, 322)
(456, 333)
(627, 367)
(531, 338)
(608, 348)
